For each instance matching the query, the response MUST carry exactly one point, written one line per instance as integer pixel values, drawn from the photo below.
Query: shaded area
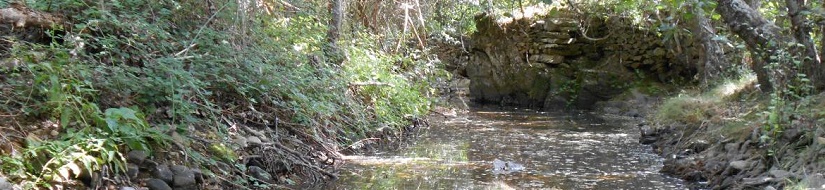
(563, 152)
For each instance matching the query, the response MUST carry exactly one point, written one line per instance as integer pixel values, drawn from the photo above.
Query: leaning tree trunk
(802, 32)
(332, 51)
(712, 60)
(761, 37)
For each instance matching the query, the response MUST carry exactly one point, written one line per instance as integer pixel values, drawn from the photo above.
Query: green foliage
(223, 152)
(378, 76)
(91, 148)
(125, 68)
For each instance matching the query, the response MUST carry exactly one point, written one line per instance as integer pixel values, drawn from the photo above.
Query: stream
(495, 148)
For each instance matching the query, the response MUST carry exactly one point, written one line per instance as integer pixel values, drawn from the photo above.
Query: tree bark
(822, 39)
(755, 4)
(713, 63)
(761, 37)
(802, 32)
(332, 51)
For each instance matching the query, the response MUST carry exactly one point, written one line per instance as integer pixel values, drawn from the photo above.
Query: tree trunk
(822, 39)
(332, 51)
(712, 63)
(762, 38)
(755, 4)
(802, 32)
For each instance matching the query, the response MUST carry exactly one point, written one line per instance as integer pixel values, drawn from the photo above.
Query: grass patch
(732, 104)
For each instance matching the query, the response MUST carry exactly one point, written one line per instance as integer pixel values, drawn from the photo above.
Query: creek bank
(731, 163)
(701, 153)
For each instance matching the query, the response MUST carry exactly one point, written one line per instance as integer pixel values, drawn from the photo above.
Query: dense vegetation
(107, 77)
(88, 81)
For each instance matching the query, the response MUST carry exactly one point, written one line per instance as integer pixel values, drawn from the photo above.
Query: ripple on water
(557, 151)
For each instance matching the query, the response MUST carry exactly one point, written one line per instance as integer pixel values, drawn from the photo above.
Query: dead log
(21, 17)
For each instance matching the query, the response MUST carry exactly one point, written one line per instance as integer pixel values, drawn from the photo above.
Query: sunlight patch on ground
(731, 87)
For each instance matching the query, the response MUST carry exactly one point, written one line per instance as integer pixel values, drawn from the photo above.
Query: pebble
(127, 188)
(157, 184)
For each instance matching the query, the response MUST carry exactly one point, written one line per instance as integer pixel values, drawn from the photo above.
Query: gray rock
(648, 139)
(157, 184)
(732, 147)
(699, 145)
(259, 173)
(791, 134)
(514, 167)
(136, 156)
(769, 188)
(646, 130)
(183, 176)
(499, 166)
(253, 140)
(755, 181)
(241, 141)
(163, 172)
(815, 181)
(127, 188)
(149, 165)
(198, 175)
(177, 169)
(782, 174)
(132, 170)
(4, 184)
(740, 165)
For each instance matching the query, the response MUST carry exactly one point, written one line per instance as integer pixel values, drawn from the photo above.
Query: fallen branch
(372, 83)
(22, 17)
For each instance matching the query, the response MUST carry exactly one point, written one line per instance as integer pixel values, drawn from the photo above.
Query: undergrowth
(124, 75)
(724, 105)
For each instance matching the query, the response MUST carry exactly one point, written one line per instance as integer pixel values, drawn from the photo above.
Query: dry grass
(732, 105)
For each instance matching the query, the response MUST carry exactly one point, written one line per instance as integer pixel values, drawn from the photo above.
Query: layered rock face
(548, 63)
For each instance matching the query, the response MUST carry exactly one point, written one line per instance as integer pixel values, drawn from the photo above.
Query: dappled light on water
(513, 149)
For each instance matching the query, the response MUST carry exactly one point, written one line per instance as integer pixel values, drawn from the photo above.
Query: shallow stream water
(556, 150)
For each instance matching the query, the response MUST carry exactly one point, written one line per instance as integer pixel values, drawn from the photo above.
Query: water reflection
(557, 151)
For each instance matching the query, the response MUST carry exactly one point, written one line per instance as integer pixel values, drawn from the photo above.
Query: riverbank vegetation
(755, 115)
(194, 82)
(87, 86)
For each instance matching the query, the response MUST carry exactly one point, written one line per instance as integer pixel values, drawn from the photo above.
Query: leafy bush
(126, 72)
